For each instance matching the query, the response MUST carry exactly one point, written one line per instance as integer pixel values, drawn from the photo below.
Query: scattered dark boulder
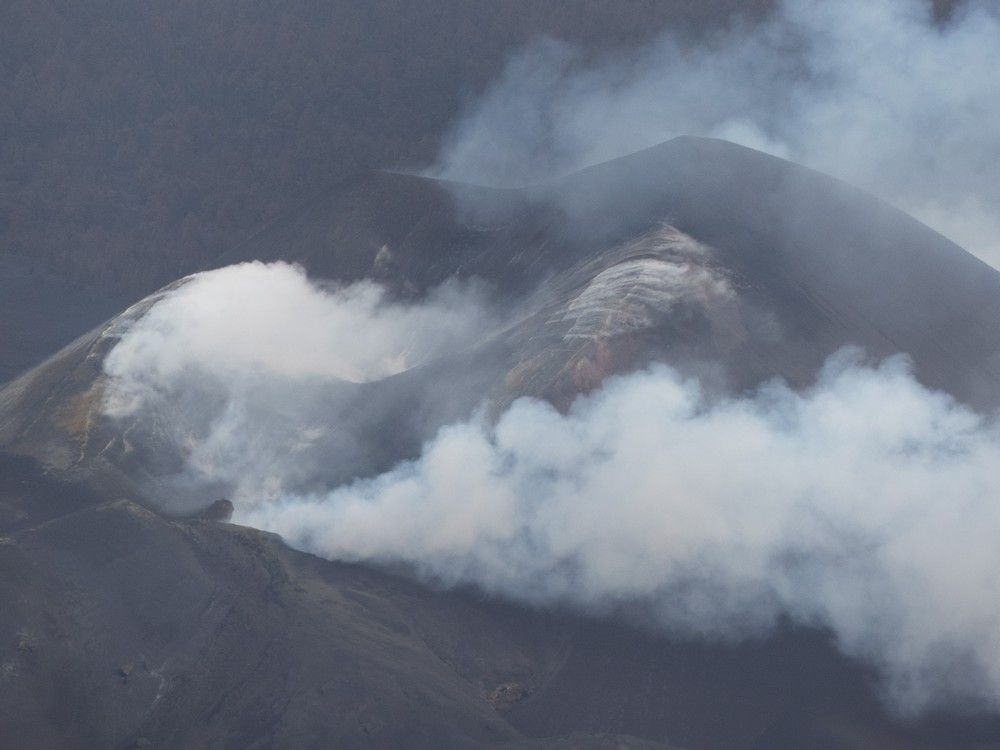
(220, 510)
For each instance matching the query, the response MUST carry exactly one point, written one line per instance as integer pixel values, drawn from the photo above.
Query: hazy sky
(868, 90)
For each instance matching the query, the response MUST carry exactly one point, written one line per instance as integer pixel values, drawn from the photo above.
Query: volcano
(128, 626)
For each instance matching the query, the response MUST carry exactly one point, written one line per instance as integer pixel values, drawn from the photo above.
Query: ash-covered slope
(833, 261)
(817, 263)
(721, 261)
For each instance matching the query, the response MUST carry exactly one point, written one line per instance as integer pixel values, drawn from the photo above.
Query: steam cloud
(866, 504)
(244, 375)
(873, 91)
(270, 316)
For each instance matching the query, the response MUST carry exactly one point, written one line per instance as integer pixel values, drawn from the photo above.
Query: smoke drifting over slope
(866, 504)
(270, 316)
(873, 91)
(245, 372)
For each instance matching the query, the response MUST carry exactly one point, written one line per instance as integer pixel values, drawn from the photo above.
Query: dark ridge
(781, 224)
(127, 627)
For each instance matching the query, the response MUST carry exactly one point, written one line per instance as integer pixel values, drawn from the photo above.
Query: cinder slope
(699, 253)
(835, 263)
(125, 629)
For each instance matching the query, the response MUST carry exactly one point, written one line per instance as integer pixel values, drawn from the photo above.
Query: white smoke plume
(873, 91)
(866, 504)
(270, 315)
(242, 373)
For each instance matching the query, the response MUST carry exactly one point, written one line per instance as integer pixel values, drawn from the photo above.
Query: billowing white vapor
(866, 504)
(873, 91)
